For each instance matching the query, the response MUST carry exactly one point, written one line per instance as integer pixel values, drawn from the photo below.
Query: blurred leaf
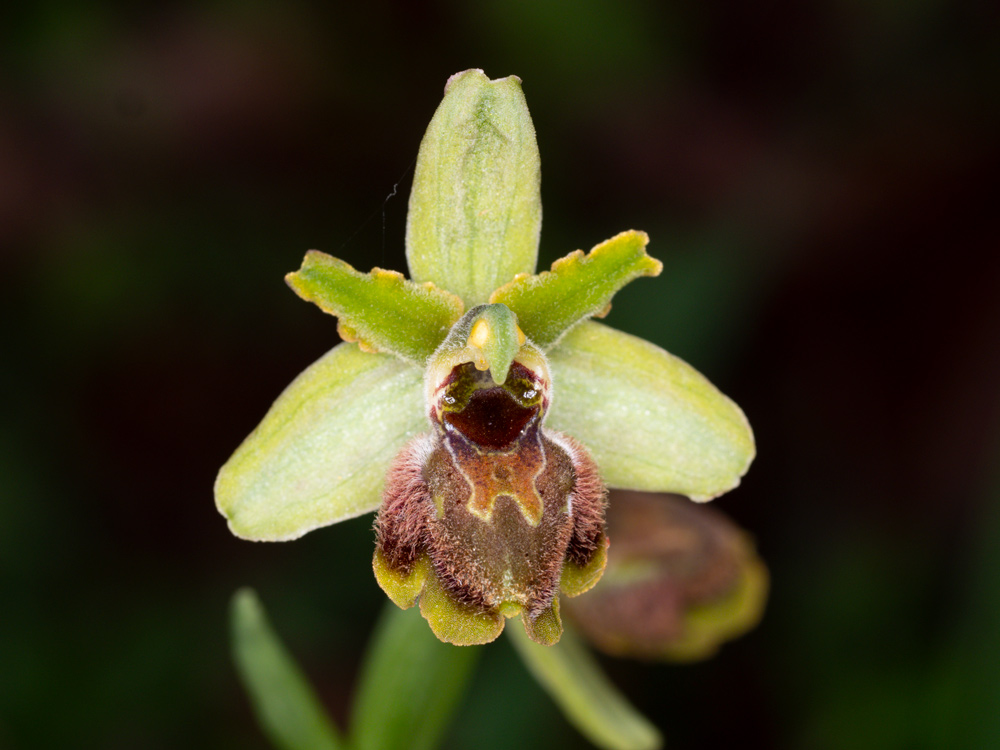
(576, 682)
(966, 693)
(578, 286)
(410, 685)
(650, 420)
(380, 310)
(321, 452)
(286, 706)
(475, 207)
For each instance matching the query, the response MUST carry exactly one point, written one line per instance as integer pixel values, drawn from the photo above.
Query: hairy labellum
(490, 514)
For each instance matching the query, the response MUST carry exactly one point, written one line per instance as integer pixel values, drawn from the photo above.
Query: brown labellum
(483, 517)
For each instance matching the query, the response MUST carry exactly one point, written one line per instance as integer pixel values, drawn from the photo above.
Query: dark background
(819, 179)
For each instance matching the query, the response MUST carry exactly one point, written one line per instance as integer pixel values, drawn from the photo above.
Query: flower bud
(681, 579)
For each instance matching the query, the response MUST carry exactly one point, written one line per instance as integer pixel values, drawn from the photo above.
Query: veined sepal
(475, 208)
(650, 420)
(320, 454)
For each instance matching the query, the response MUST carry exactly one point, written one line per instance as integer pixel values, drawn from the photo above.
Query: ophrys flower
(477, 402)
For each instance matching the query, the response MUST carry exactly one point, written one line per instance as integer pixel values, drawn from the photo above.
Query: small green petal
(321, 452)
(578, 286)
(475, 208)
(380, 310)
(650, 421)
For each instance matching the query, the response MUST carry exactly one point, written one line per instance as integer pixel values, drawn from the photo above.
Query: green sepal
(650, 420)
(285, 704)
(381, 310)
(475, 208)
(578, 286)
(320, 454)
(576, 682)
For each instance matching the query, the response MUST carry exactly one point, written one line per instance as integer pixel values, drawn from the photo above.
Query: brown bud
(681, 579)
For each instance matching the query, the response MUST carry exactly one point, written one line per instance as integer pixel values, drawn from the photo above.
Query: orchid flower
(477, 406)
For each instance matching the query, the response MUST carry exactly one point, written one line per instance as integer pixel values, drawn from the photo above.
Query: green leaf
(286, 706)
(650, 420)
(578, 286)
(380, 310)
(411, 683)
(962, 704)
(321, 452)
(475, 208)
(576, 682)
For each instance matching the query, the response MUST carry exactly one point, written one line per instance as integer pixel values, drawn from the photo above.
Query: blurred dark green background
(819, 179)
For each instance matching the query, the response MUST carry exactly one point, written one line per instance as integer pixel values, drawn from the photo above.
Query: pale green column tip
(495, 334)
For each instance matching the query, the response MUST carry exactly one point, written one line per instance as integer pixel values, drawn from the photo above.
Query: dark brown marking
(492, 419)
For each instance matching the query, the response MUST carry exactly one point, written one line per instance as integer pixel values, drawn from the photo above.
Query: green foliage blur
(818, 179)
